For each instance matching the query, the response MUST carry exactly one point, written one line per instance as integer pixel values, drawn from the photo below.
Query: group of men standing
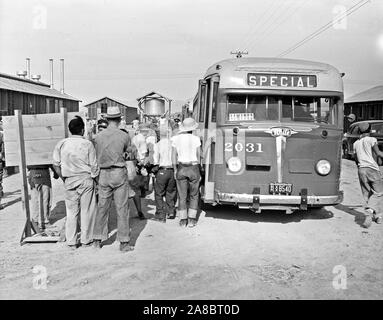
(104, 165)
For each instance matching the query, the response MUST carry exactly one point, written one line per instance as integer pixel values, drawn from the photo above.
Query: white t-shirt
(186, 145)
(139, 142)
(363, 149)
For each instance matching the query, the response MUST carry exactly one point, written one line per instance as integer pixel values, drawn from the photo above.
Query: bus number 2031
(249, 147)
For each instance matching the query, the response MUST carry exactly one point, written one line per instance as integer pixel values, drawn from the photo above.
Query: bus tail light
(323, 167)
(234, 164)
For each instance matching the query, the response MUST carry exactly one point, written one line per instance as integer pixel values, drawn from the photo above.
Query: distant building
(366, 105)
(32, 97)
(98, 108)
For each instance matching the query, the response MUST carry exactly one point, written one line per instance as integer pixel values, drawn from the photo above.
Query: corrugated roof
(373, 94)
(123, 102)
(8, 82)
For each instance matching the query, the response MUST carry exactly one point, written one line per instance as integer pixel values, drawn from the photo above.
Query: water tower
(152, 105)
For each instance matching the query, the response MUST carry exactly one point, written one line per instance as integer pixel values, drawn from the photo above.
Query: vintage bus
(271, 132)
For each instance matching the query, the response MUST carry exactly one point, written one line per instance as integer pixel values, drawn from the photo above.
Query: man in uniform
(111, 145)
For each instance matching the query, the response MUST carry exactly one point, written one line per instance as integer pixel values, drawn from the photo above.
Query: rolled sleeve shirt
(77, 158)
(111, 145)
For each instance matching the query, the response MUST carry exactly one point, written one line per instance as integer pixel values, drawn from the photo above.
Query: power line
(265, 16)
(282, 18)
(273, 19)
(324, 28)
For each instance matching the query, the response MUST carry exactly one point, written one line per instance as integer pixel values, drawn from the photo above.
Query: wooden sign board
(41, 133)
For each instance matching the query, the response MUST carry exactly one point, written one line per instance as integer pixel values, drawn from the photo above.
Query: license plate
(281, 188)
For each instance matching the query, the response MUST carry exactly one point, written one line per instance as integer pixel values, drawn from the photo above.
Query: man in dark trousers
(39, 179)
(370, 176)
(111, 145)
(165, 183)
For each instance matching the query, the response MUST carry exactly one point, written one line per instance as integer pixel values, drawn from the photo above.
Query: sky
(125, 49)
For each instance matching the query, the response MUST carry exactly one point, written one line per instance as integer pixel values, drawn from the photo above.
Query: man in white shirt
(165, 183)
(370, 177)
(186, 154)
(75, 161)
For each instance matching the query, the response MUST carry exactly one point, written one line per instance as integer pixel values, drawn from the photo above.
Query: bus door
(208, 117)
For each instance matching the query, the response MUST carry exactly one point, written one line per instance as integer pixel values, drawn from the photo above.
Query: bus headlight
(234, 164)
(323, 167)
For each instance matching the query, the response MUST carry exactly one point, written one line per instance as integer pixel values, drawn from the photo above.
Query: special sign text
(281, 80)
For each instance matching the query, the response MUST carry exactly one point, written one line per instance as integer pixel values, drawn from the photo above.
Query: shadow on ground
(358, 216)
(273, 216)
(136, 225)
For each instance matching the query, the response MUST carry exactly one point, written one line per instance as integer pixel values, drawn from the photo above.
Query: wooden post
(64, 113)
(23, 172)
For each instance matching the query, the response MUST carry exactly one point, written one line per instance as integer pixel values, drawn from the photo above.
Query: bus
(271, 132)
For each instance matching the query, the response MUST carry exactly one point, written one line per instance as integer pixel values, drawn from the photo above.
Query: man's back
(110, 145)
(363, 148)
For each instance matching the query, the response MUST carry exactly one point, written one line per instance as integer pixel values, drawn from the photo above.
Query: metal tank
(154, 107)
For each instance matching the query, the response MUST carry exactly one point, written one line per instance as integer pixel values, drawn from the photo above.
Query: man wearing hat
(101, 125)
(111, 145)
(370, 177)
(186, 156)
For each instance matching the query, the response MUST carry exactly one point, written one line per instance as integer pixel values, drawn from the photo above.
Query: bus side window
(202, 103)
(206, 119)
(325, 110)
(214, 106)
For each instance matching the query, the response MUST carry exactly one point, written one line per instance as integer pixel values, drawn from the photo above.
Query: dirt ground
(231, 254)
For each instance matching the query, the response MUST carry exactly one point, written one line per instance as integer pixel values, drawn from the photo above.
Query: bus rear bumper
(277, 202)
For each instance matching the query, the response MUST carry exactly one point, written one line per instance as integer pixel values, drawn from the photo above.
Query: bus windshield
(241, 107)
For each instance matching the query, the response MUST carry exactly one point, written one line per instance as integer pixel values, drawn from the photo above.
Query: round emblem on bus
(281, 131)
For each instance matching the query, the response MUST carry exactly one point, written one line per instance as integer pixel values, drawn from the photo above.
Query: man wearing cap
(370, 177)
(186, 157)
(111, 145)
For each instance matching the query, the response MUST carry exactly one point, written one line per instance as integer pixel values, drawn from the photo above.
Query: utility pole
(239, 53)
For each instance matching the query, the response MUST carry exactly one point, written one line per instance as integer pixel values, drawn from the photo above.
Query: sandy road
(231, 254)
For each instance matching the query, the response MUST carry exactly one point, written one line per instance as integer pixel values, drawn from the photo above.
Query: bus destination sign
(281, 80)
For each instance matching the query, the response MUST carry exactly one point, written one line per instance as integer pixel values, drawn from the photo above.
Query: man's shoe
(378, 218)
(72, 246)
(159, 217)
(172, 216)
(86, 245)
(367, 222)
(141, 215)
(183, 222)
(97, 244)
(192, 222)
(125, 247)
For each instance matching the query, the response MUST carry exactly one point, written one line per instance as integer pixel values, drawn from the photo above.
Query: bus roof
(234, 72)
